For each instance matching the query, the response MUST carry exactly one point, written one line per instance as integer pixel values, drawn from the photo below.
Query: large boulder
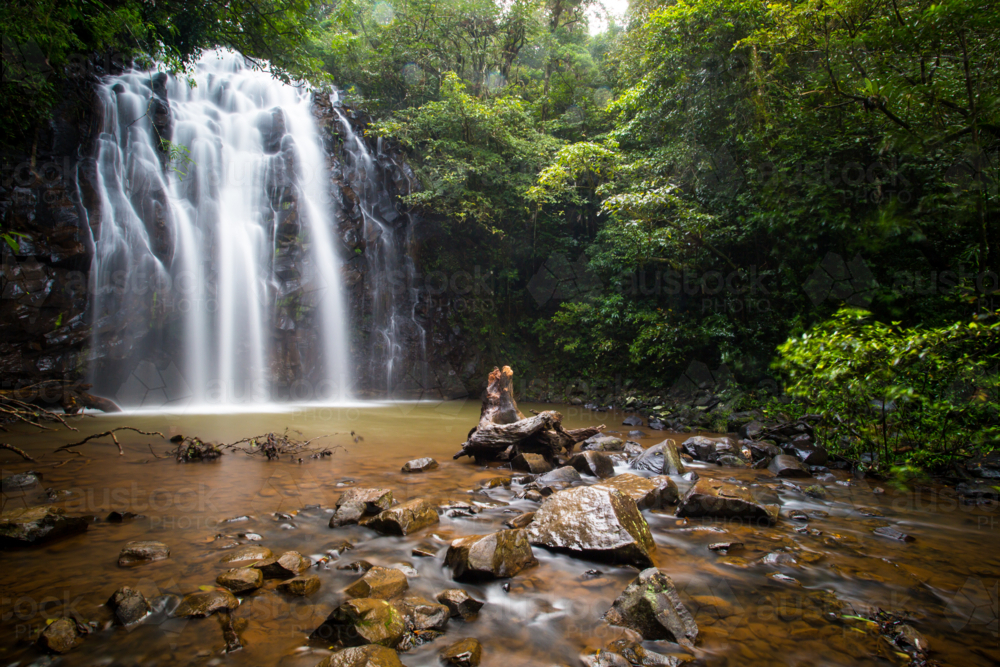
(498, 555)
(129, 605)
(403, 519)
(142, 551)
(32, 525)
(371, 655)
(661, 459)
(647, 492)
(533, 463)
(594, 521)
(206, 603)
(723, 500)
(379, 582)
(595, 464)
(651, 606)
(363, 621)
(786, 465)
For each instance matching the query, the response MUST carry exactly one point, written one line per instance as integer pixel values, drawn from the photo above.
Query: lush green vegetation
(711, 179)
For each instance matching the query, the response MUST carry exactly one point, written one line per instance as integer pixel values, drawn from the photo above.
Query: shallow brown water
(947, 578)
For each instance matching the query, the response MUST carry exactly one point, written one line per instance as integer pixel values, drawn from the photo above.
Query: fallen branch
(17, 450)
(105, 434)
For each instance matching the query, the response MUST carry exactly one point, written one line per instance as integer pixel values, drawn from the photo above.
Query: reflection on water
(946, 578)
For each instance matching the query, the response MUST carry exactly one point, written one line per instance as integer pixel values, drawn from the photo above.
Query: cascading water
(396, 358)
(215, 276)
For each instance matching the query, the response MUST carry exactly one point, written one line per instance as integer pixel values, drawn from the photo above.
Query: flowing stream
(198, 180)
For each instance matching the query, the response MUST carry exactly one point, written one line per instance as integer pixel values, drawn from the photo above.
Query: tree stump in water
(503, 432)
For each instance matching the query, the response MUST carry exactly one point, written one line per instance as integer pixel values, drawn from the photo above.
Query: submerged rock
(379, 582)
(722, 500)
(143, 551)
(129, 605)
(595, 464)
(61, 636)
(285, 566)
(648, 493)
(250, 552)
(634, 653)
(595, 521)
(301, 586)
(466, 652)
(241, 580)
(460, 603)
(19, 482)
(371, 655)
(420, 465)
(651, 606)
(403, 519)
(785, 465)
(496, 556)
(363, 621)
(533, 463)
(206, 603)
(32, 525)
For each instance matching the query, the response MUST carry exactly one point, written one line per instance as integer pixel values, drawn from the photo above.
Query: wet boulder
(563, 475)
(421, 614)
(520, 521)
(241, 580)
(810, 454)
(496, 556)
(466, 652)
(363, 621)
(788, 466)
(142, 551)
(403, 519)
(371, 655)
(285, 566)
(595, 464)
(128, 605)
(301, 586)
(61, 636)
(420, 465)
(660, 459)
(247, 553)
(348, 514)
(374, 500)
(32, 525)
(651, 606)
(379, 582)
(762, 450)
(594, 521)
(460, 604)
(723, 500)
(602, 443)
(533, 463)
(647, 492)
(206, 603)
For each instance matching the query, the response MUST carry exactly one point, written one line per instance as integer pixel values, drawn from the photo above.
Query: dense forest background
(805, 192)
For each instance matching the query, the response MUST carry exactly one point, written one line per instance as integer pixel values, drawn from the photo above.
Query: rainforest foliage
(803, 190)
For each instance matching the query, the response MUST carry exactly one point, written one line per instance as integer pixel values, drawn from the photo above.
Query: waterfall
(215, 278)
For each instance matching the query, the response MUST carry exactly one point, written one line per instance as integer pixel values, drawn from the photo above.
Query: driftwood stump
(503, 432)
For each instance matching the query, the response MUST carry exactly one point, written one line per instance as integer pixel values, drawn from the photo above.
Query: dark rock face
(206, 603)
(466, 652)
(788, 466)
(33, 525)
(499, 555)
(403, 519)
(241, 580)
(722, 500)
(363, 621)
(595, 464)
(285, 566)
(651, 606)
(597, 522)
(460, 604)
(129, 605)
(533, 463)
(143, 551)
(985, 465)
(660, 459)
(420, 465)
(300, 586)
(810, 454)
(19, 482)
(379, 582)
(61, 636)
(371, 655)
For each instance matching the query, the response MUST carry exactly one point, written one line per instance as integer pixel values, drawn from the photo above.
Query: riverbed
(786, 598)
